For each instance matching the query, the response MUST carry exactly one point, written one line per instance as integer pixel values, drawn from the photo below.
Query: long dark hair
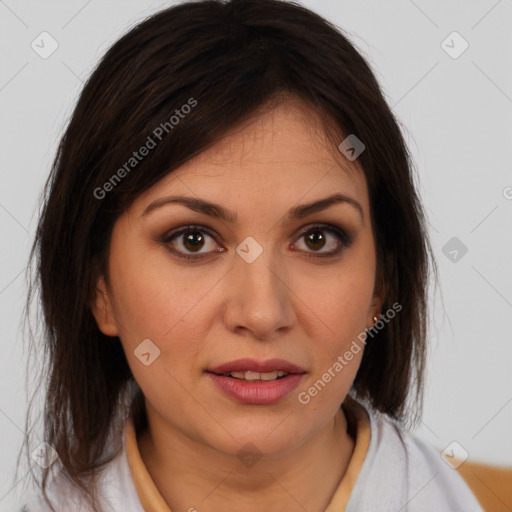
(225, 60)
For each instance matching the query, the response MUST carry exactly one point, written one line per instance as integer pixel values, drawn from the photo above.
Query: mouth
(257, 382)
(253, 370)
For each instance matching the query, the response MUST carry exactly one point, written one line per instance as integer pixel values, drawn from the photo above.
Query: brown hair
(232, 58)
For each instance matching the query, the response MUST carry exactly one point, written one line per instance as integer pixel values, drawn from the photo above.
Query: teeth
(257, 375)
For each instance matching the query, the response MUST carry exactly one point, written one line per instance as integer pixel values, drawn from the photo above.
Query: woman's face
(269, 281)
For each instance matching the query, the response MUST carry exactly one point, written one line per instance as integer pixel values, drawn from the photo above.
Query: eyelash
(342, 236)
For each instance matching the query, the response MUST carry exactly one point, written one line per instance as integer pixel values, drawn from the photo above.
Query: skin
(284, 304)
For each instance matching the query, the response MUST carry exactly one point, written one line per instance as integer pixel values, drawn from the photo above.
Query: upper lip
(252, 365)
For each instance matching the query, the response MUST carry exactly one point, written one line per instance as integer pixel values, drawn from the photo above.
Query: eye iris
(316, 237)
(195, 238)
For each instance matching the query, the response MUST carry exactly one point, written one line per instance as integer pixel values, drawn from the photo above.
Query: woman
(233, 265)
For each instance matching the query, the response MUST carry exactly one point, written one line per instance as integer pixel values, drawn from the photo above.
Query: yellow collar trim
(358, 416)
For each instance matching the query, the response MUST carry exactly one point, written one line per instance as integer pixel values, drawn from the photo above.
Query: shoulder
(401, 472)
(115, 486)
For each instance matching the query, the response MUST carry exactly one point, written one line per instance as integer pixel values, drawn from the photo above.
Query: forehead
(282, 154)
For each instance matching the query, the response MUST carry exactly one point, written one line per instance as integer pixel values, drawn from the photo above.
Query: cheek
(341, 305)
(151, 304)
(155, 300)
(155, 297)
(343, 300)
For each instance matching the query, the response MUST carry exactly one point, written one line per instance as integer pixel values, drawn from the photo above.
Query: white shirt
(403, 474)
(396, 472)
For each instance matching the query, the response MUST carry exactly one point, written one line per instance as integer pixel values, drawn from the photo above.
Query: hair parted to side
(233, 58)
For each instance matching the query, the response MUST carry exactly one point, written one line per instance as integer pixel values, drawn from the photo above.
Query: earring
(375, 319)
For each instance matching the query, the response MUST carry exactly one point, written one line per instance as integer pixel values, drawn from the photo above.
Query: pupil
(316, 237)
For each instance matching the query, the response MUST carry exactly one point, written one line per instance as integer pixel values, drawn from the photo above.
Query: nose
(259, 298)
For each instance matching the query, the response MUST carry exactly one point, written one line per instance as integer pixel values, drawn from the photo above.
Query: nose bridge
(257, 267)
(261, 299)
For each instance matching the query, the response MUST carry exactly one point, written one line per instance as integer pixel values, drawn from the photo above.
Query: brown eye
(189, 241)
(318, 237)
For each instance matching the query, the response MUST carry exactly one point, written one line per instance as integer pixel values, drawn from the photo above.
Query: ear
(378, 298)
(374, 311)
(101, 307)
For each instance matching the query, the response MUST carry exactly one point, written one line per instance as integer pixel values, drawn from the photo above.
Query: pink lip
(257, 392)
(252, 365)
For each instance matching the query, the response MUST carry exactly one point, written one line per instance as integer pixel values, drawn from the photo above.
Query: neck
(190, 475)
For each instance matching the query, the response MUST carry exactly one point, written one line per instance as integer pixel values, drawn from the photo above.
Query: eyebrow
(217, 211)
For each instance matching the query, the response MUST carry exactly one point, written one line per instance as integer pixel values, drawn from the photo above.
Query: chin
(271, 438)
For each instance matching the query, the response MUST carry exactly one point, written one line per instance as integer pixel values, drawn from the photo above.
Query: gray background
(457, 114)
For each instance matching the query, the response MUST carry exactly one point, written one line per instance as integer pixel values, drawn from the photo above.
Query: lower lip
(257, 392)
